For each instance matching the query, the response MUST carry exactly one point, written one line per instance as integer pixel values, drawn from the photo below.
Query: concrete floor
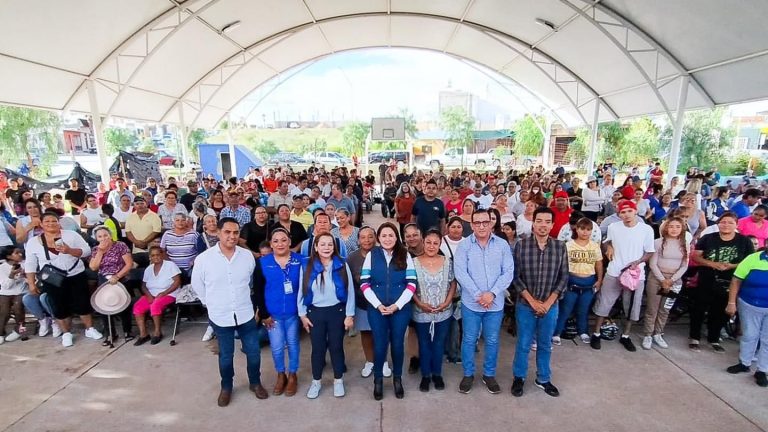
(45, 387)
(49, 388)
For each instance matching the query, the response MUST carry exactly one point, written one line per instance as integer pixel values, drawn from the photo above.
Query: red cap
(490, 177)
(561, 194)
(628, 192)
(625, 204)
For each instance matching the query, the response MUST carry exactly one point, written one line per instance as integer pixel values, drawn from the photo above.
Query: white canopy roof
(148, 58)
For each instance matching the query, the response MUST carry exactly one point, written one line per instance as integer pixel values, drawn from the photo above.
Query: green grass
(285, 139)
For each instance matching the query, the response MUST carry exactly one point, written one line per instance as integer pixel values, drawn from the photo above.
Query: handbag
(49, 274)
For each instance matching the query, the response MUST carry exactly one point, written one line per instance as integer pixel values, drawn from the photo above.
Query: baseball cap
(192, 183)
(561, 194)
(625, 204)
(635, 179)
(591, 179)
(139, 199)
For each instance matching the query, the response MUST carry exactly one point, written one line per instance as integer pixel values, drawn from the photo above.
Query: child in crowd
(265, 248)
(13, 285)
(58, 202)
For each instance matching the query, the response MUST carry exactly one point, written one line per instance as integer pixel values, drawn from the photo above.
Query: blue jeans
(489, 323)
(528, 326)
(579, 300)
(284, 333)
(39, 306)
(431, 347)
(249, 337)
(389, 330)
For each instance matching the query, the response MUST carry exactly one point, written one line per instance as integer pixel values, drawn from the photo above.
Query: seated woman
(161, 279)
(113, 260)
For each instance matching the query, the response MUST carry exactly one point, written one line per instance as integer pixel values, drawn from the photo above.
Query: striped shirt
(481, 269)
(540, 272)
(181, 249)
(410, 277)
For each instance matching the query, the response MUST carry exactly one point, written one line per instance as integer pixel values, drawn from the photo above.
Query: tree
(195, 138)
(704, 139)
(411, 130)
(118, 139)
(147, 145)
(21, 131)
(315, 146)
(641, 142)
(354, 135)
(458, 125)
(267, 149)
(529, 138)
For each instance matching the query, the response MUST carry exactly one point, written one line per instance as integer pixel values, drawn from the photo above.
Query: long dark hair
(399, 251)
(314, 257)
(680, 239)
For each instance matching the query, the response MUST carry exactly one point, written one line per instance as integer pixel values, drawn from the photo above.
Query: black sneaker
(548, 388)
(491, 384)
(626, 342)
(413, 365)
(424, 384)
(437, 380)
(594, 342)
(761, 379)
(517, 387)
(737, 368)
(716, 347)
(465, 386)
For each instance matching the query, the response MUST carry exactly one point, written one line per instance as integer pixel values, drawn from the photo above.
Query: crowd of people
(460, 252)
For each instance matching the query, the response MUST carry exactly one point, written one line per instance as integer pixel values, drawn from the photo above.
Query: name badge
(288, 287)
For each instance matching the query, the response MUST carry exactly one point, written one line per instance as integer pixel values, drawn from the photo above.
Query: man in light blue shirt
(484, 268)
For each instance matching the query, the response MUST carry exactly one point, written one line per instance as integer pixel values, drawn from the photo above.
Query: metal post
(547, 147)
(593, 140)
(232, 157)
(677, 134)
(98, 131)
(184, 138)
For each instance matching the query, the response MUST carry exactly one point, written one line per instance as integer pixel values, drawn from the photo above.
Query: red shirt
(561, 218)
(270, 185)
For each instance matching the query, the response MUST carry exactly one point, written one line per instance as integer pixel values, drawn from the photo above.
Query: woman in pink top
(755, 225)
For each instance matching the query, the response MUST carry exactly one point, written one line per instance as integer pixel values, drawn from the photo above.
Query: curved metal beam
(677, 64)
(476, 26)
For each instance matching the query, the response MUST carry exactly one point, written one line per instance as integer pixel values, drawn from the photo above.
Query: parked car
(456, 156)
(386, 155)
(328, 158)
(166, 158)
(287, 158)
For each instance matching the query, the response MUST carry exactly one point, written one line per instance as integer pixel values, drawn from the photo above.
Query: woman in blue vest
(326, 303)
(388, 281)
(276, 287)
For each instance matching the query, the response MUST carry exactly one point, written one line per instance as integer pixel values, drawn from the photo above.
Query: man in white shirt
(221, 278)
(629, 245)
(483, 201)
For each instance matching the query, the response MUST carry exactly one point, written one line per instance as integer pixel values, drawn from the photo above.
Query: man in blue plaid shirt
(236, 211)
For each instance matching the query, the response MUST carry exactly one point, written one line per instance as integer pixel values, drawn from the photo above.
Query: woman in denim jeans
(433, 299)
(585, 264)
(276, 286)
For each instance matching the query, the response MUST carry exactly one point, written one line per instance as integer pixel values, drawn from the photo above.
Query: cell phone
(58, 242)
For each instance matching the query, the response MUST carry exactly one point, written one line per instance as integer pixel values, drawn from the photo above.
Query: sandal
(141, 340)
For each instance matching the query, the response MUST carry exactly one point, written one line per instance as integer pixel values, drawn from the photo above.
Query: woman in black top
(255, 231)
(296, 229)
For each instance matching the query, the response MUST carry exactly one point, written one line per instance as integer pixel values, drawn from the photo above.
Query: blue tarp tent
(215, 159)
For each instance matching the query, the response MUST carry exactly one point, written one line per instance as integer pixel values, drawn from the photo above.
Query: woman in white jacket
(593, 199)
(13, 285)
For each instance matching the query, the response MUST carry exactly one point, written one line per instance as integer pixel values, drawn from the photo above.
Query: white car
(329, 159)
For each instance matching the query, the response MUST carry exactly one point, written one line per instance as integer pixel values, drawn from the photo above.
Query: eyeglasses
(484, 224)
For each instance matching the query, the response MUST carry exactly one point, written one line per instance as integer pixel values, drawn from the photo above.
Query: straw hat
(110, 299)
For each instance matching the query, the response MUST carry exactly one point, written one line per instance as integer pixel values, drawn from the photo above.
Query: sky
(378, 82)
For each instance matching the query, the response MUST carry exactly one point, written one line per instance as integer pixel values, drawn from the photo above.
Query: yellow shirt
(582, 259)
(305, 218)
(141, 227)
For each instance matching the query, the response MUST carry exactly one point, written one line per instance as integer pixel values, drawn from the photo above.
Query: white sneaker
(12, 337)
(647, 341)
(386, 371)
(67, 339)
(367, 370)
(45, 327)
(585, 338)
(660, 341)
(556, 340)
(314, 389)
(338, 387)
(534, 346)
(208, 334)
(56, 329)
(2, 340)
(92, 333)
